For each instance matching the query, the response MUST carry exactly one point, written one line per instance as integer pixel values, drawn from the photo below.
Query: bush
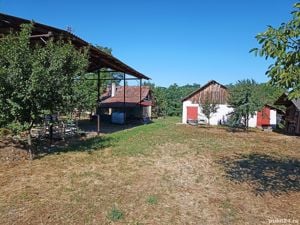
(17, 128)
(5, 132)
(115, 214)
(152, 200)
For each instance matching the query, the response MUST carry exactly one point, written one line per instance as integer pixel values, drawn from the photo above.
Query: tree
(160, 104)
(36, 78)
(265, 93)
(243, 100)
(86, 87)
(208, 108)
(283, 45)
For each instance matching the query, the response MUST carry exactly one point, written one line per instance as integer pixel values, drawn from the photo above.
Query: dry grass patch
(191, 175)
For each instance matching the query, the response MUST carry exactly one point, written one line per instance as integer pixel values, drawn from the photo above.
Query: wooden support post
(98, 87)
(98, 103)
(141, 109)
(124, 98)
(98, 124)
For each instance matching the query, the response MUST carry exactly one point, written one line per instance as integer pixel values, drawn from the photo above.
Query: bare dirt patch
(12, 151)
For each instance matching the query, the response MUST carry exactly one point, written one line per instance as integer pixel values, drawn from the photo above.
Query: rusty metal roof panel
(98, 59)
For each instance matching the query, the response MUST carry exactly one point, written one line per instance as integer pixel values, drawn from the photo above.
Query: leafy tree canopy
(38, 78)
(283, 45)
(247, 96)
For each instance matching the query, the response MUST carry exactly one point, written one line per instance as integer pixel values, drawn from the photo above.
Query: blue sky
(172, 41)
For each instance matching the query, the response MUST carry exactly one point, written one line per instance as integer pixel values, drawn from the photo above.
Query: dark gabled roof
(280, 111)
(132, 97)
(98, 59)
(202, 88)
(296, 103)
(284, 100)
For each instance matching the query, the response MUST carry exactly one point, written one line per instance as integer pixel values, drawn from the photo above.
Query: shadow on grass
(264, 173)
(107, 127)
(284, 132)
(79, 145)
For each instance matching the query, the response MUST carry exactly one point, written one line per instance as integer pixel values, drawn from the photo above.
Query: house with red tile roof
(135, 101)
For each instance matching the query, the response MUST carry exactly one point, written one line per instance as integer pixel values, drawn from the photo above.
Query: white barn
(218, 93)
(215, 92)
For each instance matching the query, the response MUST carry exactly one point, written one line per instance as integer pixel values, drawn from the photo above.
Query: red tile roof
(132, 97)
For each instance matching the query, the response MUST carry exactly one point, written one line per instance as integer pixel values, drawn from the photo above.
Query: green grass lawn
(160, 173)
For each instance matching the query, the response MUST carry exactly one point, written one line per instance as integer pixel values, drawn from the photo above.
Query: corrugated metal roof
(98, 59)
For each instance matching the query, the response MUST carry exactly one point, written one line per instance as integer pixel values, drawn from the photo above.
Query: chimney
(113, 89)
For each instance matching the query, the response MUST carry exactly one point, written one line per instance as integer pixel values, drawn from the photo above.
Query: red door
(192, 113)
(263, 117)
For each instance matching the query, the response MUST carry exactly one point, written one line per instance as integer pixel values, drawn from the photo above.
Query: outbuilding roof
(284, 100)
(202, 88)
(98, 59)
(133, 96)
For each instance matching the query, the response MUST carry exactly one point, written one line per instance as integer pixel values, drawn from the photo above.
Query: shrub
(5, 132)
(115, 214)
(152, 200)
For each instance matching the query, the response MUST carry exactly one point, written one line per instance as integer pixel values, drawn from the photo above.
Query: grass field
(161, 173)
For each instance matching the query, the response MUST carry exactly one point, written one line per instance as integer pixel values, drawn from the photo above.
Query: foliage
(168, 99)
(37, 77)
(209, 108)
(152, 200)
(4, 132)
(265, 93)
(243, 101)
(247, 97)
(86, 90)
(283, 45)
(115, 214)
(160, 102)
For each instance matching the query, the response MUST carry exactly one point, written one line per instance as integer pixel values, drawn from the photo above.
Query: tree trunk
(29, 142)
(247, 122)
(51, 133)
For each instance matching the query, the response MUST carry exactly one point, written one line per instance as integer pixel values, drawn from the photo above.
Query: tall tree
(36, 78)
(283, 45)
(243, 100)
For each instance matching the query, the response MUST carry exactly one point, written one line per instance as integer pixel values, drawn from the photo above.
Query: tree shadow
(77, 144)
(108, 127)
(284, 132)
(265, 174)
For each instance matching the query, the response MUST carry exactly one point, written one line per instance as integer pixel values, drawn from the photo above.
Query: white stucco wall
(185, 104)
(273, 118)
(147, 111)
(253, 120)
(220, 115)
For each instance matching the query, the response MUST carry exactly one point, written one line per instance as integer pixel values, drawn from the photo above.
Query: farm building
(215, 92)
(292, 114)
(212, 92)
(98, 59)
(267, 118)
(135, 101)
